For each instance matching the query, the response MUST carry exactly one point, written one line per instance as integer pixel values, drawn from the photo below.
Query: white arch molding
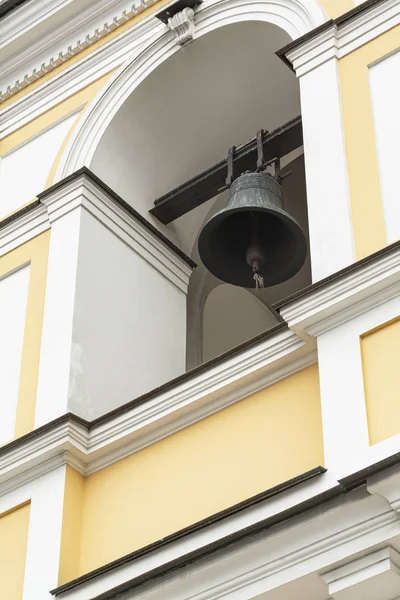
(295, 17)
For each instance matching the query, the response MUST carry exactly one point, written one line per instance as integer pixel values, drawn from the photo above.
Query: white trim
(292, 550)
(73, 50)
(74, 78)
(82, 192)
(91, 450)
(293, 17)
(15, 24)
(328, 195)
(46, 496)
(60, 34)
(196, 400)
(346, 297)
(109, 56)
(387, 485)
(23, 229)
(375, 571)
(344, 413)
(338, 42)
(337, 314)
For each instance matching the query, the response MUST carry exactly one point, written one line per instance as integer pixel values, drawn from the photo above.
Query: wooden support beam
(212, 182)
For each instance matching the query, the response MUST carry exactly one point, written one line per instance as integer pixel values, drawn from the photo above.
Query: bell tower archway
(148, 132)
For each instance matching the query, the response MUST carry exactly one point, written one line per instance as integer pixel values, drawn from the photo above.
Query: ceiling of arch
(213, 94)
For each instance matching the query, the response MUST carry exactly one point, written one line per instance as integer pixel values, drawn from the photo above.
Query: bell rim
(301, 250)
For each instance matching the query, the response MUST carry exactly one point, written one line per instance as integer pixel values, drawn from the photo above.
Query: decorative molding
(21, 227)
(253, 566)
(387, 485)
(342, 36)
(76, 76)
(171, 412)
(84, 190)
(346, 297)
(182, 24)
(375, 575)
(91, 448)
(75, 49)
(295, 18)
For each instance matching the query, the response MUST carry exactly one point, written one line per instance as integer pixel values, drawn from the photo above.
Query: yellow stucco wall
(380, 350)
(245, 449)
(71, 526)
(14, 527)
(336, 8)
(45, 120)
(365, 190)
(35, 252)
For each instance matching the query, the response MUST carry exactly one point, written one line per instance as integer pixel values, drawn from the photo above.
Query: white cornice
(339, 40)
(257, 565)
(85, 16)
(71, 50)
(23, 18)
(346, 297)
(293, 17)
(378, 572)
(91, 449)
(23, 229)
(81, 192)
(253, 370)
(77, 76)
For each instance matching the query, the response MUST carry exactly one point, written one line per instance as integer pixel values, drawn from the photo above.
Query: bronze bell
(253, 242)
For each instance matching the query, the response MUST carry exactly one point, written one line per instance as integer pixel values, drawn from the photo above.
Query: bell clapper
(255, 258)
(259, 279)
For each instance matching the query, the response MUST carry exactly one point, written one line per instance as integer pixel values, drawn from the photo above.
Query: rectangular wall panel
(13, 302)
(380, 358)
(24, 171)
(14, 527)
(385, 97)
(240, 451)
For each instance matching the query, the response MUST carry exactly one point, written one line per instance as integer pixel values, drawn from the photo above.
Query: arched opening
(180, 120)
(231, 316)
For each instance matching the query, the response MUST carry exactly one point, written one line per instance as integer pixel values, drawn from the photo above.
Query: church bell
(253, 242)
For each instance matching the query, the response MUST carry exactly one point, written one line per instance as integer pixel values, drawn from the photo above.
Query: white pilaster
(375, 576)
(46, 497)
(385, 98)
(337, 315)
(328, 200)
(115, 312)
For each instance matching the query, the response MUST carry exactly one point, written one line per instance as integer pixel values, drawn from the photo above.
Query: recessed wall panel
(14, 528)
(380, 360)
(13, 302)
(24, 170)
(385, 97)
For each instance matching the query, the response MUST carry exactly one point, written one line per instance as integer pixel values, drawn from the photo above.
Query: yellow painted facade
(249, 447)
(365, 190)
(336, 8)
(14, 527)
(76, 102)
(241, 451)
(35, 252)
(71, 531)
(380, 358)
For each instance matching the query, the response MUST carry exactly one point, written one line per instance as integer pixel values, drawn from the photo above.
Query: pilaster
(115, 313)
